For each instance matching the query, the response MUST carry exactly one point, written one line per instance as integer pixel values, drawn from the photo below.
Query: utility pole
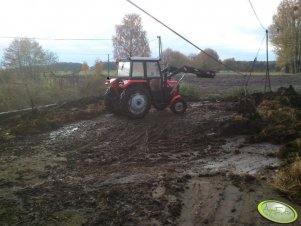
(160, 46)
(267, 74)
(108, 67)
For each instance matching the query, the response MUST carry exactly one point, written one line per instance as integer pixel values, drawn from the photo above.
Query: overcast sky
(229, 27)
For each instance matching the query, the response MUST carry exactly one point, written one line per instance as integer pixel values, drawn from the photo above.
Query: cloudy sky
(229, 27)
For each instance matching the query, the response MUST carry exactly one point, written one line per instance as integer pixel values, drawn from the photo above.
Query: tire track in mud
(162, 170)
(221, 200)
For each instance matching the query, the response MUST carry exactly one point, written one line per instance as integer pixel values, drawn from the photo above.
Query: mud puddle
(242, 158)
(162, 170)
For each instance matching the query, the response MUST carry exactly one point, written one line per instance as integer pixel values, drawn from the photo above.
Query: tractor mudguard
(174, 99)
(126, 83)
(114, 84)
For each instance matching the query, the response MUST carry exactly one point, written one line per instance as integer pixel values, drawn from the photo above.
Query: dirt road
(161, 170)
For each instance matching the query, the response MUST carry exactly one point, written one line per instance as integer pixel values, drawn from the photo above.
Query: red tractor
(141, 83)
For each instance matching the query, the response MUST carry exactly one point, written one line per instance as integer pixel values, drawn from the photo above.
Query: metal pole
(108, 67)
(160, 46)
(268, 80)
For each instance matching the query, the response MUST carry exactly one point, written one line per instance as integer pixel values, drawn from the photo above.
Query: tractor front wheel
(135, 102)
(179, 106)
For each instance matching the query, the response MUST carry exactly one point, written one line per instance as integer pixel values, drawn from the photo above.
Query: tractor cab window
(152, 70)
(137, 70)
(153, 75)
(124, 69)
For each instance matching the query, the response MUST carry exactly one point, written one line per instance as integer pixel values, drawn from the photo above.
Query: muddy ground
(161, 170)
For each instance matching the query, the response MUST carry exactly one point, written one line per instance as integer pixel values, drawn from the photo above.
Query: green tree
(285, 35)
(205, 62)
(27, 57)
(130, 38)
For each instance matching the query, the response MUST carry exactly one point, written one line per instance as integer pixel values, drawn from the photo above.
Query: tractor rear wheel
(179, 106)
(110, 101)
(135, 102)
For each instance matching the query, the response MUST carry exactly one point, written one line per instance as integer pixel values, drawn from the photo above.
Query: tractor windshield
(124, 69)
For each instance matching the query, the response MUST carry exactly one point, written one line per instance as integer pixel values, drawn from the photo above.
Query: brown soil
(195, 169)
(225, 84)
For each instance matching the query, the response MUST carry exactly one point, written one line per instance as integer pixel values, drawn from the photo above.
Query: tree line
(285, 33)
(131, 40)
(26, 56)
(202, 61)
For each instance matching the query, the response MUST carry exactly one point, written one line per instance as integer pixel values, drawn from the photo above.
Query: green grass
(189, 90)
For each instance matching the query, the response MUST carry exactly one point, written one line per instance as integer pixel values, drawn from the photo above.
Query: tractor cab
(142, 76)
(141, 83)
(147, 71)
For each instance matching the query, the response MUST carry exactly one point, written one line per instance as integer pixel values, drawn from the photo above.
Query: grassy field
(256, 73)
(18, 92)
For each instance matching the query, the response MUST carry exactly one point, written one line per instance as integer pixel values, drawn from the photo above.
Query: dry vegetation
(280, 113)
(18, 92)
(288, 180)
(77, 152)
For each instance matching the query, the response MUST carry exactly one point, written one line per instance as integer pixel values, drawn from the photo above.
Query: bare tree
(130, 38)
(174, 58)
(205, 62)
(27, 56)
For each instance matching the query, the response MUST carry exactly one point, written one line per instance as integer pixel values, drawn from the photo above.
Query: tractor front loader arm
(188, 69)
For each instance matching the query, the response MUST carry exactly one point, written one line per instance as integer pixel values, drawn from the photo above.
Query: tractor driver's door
(154, 78)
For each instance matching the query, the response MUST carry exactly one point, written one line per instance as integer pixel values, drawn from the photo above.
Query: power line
(247, 78)
(62, 39)
(257, 16)
(160, 22)
(97, 54)
(260, 46)
(267, 79)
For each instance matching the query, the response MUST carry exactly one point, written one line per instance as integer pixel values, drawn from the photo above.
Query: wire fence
(19, 92)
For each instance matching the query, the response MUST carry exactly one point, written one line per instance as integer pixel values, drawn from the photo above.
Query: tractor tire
(135, 102)
(110, 101)
(179, 106)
